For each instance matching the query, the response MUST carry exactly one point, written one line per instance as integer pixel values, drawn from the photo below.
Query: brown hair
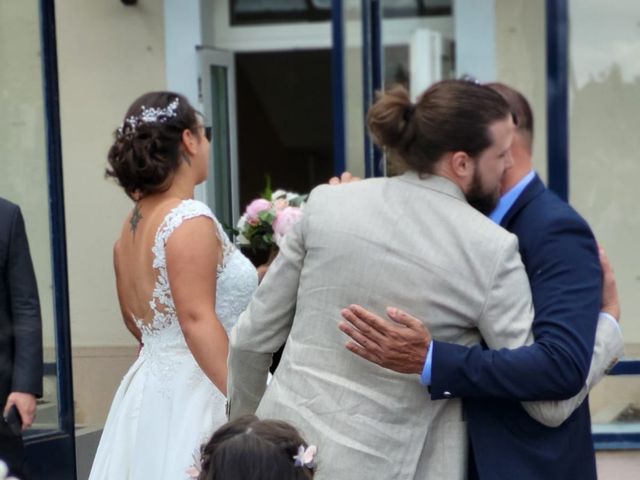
(146, 154)
(251, 449)
(450, 116)
(519, 106)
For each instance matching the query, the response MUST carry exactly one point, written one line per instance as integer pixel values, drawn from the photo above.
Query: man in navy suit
(20, 333)
(561, 259)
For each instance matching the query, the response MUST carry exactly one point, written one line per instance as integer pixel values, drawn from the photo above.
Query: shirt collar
(508, 199)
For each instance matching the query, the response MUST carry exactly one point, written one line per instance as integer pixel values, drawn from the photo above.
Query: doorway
(284, 120)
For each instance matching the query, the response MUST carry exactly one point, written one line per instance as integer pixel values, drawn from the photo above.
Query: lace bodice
(236, 281)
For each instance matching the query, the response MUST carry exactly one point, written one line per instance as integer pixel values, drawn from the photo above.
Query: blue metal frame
(557, 12)
(372, 60)
(616, 441)
(626, 367)
(53, 453)
(338, 87)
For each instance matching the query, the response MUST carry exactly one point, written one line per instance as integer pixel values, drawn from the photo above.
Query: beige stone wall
(521, 62)
(97, 371)
(108, 54)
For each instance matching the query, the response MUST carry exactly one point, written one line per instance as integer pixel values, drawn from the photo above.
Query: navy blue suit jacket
(560, 256)
(20, 323)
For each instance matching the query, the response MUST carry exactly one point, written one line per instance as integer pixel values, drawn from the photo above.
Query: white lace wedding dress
(166, 407)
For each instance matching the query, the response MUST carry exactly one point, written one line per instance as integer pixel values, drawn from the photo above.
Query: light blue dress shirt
(506, 202)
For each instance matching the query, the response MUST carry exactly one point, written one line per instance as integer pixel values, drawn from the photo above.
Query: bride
(181, 286)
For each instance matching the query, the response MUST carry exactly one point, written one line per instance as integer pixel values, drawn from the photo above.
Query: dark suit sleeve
(566, 283)
(25, 312)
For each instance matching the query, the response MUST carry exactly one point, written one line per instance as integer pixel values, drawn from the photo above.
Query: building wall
(108, 54)
(521, 62)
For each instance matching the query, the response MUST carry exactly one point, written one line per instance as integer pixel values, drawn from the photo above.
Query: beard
(482, 200)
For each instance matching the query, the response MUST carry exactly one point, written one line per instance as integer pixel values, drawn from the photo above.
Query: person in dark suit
(20, 333)
(562, 262)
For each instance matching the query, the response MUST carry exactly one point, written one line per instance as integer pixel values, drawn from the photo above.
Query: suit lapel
(531, 191)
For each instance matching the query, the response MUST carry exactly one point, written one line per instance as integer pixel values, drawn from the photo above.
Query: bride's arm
(192, 254)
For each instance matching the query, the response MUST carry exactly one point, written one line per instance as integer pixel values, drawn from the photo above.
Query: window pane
(23, 157)
(604, 53)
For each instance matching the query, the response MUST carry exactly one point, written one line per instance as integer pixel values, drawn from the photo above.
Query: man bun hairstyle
(147, 148)
(450, 116)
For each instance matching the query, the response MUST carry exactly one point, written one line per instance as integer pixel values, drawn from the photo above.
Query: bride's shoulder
(188, 209)
(194, 206)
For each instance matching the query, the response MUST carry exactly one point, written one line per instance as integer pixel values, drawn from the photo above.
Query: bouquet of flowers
(266, 220)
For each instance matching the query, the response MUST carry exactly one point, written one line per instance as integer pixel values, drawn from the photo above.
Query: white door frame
(208, 57)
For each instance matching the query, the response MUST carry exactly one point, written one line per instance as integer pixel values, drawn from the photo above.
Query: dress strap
(185, 210)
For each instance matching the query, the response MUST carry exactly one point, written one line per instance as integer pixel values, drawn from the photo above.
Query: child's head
(248, 448)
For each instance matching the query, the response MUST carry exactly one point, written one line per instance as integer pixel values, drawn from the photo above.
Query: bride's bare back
(133, 260)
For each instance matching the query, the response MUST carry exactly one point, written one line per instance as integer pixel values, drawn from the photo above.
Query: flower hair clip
(305, 457)
(150, 115)
(195, 469)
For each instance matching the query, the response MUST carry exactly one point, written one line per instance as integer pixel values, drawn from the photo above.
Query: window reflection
(23, 177)
(604, 53)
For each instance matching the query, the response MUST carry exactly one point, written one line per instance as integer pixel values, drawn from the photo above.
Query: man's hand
(346, 177)
(26, 404)
(400, 345)
(610, 301)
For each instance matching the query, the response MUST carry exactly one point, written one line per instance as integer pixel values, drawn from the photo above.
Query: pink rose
(285, 219)
(254, 209)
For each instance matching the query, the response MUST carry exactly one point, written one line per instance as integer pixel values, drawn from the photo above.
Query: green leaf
(267, 216)
(268, 191)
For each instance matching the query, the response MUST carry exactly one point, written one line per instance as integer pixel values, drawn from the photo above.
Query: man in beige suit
(412, 240)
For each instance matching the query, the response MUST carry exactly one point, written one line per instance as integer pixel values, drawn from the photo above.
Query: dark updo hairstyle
(146, 154)
(251, 449)
(450, 116)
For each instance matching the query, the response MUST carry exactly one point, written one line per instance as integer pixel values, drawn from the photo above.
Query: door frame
(51, 454)
(208, 57)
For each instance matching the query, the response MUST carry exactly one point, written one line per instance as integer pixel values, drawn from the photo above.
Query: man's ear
(462, 165)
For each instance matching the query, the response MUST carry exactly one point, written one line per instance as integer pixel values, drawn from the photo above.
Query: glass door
(32, 179)
(217, 96)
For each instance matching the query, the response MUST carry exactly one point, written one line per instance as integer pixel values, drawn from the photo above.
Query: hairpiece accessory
(305, 456)
(195, 469)
(469, 78)
(150, 115)
(408, 112)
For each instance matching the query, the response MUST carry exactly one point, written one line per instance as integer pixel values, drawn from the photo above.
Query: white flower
(4, 470)
(305, 456)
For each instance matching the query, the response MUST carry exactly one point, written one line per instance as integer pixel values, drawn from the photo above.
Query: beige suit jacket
(403, 241)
